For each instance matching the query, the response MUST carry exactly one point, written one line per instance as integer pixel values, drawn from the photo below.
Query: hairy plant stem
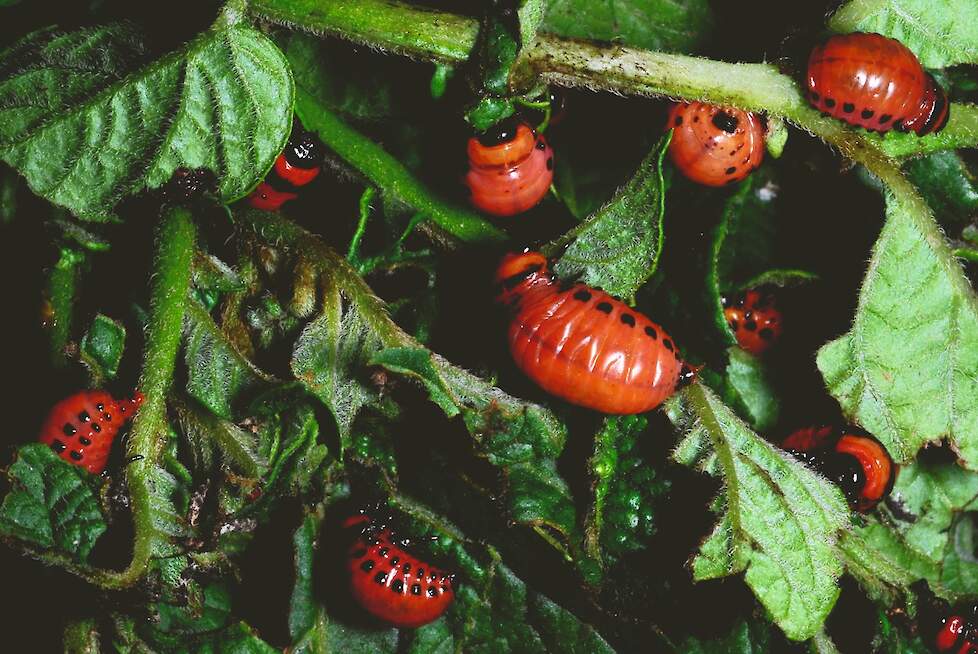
(59, 298)
(170, 282)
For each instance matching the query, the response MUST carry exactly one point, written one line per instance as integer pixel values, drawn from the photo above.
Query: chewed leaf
(940, 32)
(87, 120)
(906, 369)
(50, 504)
(617, 249)
(780, 520)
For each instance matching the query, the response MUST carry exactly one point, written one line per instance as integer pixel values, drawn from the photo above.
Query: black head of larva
(502, 132)
(305, 150)
(189, 185)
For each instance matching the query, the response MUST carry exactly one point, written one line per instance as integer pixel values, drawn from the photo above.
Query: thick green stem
(388, 174)
(81, 637)
(167, 302)
(59, 302)
(408, 30)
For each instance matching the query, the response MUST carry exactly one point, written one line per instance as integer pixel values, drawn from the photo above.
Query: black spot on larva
(358, 553)
(583, 295)
(58, 446)
(84, 417)
(733, 325)
(628, 319)
(829, 102)
(420, 573)
(367, 565)
(885, 118)
(679, 121)
(750, 325)
(444, 590)
(731, 170)
(416, 589)
(541, 145)
(100, 406)
(815, 96)
(604, 307)
(433, 576)
(668, 344)
(406, 568)
(432, 591)
(397, 586)
(69, 429)
(696, 119)
(76, 455)
(107, 417)
(84, 441)
(767, 334)
(900, 125)
(550, 163)
(384, 551)
(96, 427)
(395, 560)
(381, 577)
(650, 332)
(867, 113)
(848, 107)
(726, 122)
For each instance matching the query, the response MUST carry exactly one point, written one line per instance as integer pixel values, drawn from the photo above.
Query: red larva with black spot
(389, 583)
(858, 463)
(297, 165)
(510, 169)
(957, 636)
(81, 427)
(755, 321)
(872, 81)
(714, 145)
(583, 345)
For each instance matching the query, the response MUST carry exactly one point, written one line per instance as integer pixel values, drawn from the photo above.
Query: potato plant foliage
(345, 351)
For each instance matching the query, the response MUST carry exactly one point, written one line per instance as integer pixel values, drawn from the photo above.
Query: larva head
(935, 109)
(518, 273)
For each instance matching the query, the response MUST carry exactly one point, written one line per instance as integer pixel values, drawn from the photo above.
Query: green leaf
(86, 132)
(905, 371)
(102, 346)
(625, 487)
(676, 25)
(51, 504)
(947, 185)
(940, 32)
(331, 356)
(776, 136)
(520, 437)
(780, 520)
(751, 390)
(617, 249)
(744, 638)
(237, 446)
(217, 374)
(929, 537)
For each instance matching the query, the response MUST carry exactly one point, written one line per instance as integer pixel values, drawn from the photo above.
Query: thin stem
(389, 175)
(60, 296)
(352, 254)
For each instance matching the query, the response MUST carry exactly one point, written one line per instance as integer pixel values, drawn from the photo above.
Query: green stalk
(167, 304)
(60, 296)
(81, 637)
(394, 26)
(388, 174)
